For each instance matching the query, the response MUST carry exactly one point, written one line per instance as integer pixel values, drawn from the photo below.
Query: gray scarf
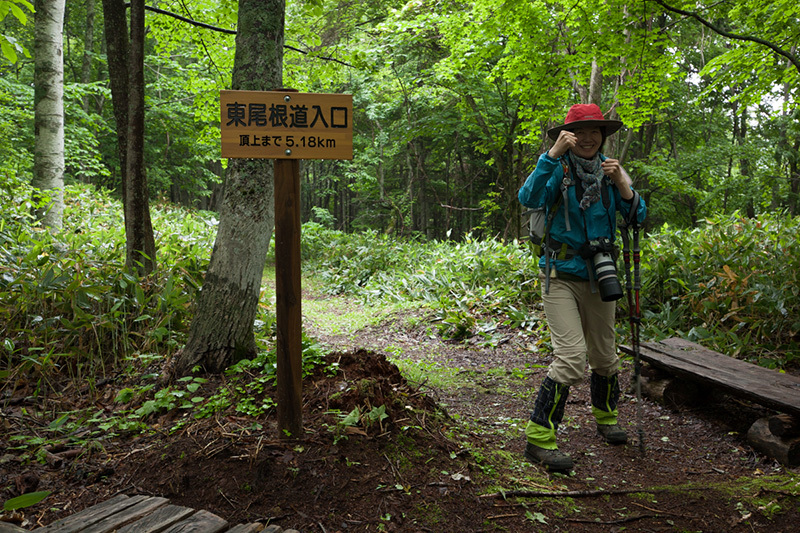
(591, 174)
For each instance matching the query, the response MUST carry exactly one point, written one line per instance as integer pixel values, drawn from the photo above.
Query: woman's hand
(614, 170)
(566, 140)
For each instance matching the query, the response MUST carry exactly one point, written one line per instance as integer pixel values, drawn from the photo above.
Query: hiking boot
(612, 433)
(551, 459)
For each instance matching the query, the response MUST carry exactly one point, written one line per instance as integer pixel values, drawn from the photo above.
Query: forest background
(452, 102)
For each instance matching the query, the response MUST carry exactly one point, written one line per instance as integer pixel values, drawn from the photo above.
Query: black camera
(601, 251)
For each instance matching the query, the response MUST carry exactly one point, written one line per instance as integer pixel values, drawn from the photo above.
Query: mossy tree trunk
(222, 330)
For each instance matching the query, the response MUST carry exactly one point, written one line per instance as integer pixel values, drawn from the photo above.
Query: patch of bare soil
(434, 462)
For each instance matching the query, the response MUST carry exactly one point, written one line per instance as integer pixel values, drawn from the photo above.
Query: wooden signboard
(286, 125)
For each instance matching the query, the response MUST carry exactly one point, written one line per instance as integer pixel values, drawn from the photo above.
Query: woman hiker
(584, 189)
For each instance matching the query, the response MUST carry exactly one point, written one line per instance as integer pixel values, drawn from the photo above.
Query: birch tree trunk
(48, 161)
(222, 330)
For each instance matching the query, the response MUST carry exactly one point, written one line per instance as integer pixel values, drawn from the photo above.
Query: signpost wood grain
(287, 126)
(288, 297)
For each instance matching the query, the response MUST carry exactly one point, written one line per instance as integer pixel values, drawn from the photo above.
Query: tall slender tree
(48, 162)
(126, 73)
(116, 36)
(140, 253)
(222, 330)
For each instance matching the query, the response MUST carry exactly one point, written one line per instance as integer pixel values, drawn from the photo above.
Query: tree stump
(785, 450)
(785, 426)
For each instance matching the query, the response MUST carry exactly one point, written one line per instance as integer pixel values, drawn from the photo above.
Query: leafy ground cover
(409, 433)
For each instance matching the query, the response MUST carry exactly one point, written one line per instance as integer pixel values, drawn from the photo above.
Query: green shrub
(468, 284)
(66, 300)
(731, 284)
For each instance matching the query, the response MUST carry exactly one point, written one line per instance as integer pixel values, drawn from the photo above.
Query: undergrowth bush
(66, 301)
(468, 284)
(732, 284)
(68, 305)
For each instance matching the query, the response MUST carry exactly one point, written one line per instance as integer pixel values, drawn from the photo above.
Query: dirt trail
(422, 456)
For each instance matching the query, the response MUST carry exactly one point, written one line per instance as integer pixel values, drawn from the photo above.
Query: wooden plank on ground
(200, 522)
(694, 362)
(158, 520)
(126, 516)
(78, 521)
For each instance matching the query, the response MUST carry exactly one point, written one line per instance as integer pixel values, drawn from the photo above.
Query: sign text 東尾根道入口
(286, 125)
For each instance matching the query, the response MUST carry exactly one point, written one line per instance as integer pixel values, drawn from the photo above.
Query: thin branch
(569, 493)
(460, 208)
(612, 522)
(326, 58)
(188, 20)
(230, 32)
(778, 50)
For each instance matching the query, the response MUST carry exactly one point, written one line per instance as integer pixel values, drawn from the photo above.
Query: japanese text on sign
(280, 125)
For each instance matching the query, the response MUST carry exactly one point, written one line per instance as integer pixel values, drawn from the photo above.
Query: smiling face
(589, 141)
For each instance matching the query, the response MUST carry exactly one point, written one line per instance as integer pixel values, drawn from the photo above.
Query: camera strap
(604, 186)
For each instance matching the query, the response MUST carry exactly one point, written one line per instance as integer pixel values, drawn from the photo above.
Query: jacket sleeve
(535, 191)
(625, 207)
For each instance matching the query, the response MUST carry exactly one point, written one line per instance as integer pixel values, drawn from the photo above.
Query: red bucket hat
(581, 115)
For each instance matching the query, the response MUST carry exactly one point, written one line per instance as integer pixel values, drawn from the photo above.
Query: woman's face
(589, 141)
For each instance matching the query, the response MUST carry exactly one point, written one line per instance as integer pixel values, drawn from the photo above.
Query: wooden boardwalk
(144, 514)
(693, 362)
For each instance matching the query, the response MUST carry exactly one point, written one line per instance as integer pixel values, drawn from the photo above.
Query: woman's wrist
(626, 192)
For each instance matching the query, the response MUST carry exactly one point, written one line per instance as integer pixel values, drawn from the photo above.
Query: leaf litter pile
(381, 453)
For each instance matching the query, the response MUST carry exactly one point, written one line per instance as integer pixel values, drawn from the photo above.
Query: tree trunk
(48, 162)
(596, 84)
(139, 240)
(86, 68)
(794, 180)
(88, 48)
(116, 36)
(222, 330)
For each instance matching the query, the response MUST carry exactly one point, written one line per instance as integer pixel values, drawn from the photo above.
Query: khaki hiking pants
(581, 328)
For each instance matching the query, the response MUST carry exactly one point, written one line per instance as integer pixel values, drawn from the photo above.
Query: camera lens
(606, 272)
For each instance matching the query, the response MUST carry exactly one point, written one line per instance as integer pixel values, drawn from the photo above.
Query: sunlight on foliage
(429, 374)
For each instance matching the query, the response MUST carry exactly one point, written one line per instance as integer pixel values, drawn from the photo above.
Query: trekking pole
(636, 322)
(633, 287)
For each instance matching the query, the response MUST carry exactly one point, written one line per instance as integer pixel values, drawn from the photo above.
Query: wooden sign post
(287, 126)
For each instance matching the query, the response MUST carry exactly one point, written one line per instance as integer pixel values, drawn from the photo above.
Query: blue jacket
(542, 188)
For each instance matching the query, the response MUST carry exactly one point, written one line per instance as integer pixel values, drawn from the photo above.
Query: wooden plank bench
(707, 368)
(144, 514)
(688, 360)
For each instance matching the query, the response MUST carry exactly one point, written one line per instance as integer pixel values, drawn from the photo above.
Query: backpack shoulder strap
(565, 183)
